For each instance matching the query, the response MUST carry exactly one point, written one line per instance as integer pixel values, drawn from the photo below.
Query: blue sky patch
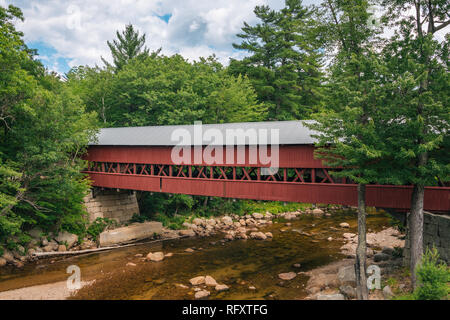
(165, 17)
(50, 57)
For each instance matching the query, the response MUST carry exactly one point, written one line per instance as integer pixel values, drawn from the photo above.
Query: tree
(128, 45)
(284, 65)
(348, 136)
(44, 130)
(419, 105)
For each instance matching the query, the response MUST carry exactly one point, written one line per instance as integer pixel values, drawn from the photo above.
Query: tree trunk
(415, 228)
(360, 263)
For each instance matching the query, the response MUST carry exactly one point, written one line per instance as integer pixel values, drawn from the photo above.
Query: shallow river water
(239, 264)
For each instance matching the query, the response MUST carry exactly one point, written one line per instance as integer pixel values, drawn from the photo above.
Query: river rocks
(289, 215)
(131, 264)
(344, 225)
(269, 234)
(197, 221)
(210, 281)
(62, 248)
(155, 256)
(201, 294)
(221, 287)
(336, 296)
(297, 265)
(8, 256)
(67, 238)
(88, 244)
(258, 236)
(287, 276)
(257, 215)
(388, 250)
(36, 233)
(197, 280)
(380, 257)
(189, 250)
(227, 220)
(317, 212)
(3, 262)
(348, 291)
(387, 292)
(346, 275)
(168, 255)
(188, 233)
(349, 236)
(330, 239)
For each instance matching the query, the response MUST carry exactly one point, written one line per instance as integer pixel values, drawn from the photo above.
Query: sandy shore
(51, 291)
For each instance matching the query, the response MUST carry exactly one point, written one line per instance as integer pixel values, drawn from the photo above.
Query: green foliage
(433, 278)
(285, 60)
(98, 226)
(160, 90)
(43, 131)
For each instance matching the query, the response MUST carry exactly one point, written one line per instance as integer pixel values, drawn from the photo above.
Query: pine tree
(348, 132)
(418, 108)
(284, 65)
(128, 45)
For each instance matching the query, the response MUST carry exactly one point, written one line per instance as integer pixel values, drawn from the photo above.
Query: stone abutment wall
(111, 204)
(436, 232)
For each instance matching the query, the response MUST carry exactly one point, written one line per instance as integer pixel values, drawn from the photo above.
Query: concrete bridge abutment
(119, 205)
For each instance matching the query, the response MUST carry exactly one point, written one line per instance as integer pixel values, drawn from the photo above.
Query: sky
(74, 32)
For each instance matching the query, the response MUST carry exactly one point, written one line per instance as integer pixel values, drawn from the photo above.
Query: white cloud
(78, 29)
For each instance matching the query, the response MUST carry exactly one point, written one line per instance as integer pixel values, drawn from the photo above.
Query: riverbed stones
(227, 220)
(317, 212)
(67, 238)
(197, 280)
(221, 287)
(378, 257)
(257, 215)
(201, 294)
(344, 225)
(188, 233)
(349, 236)
(258, 236)
(189, 250)
(269, 234)
(3, 262)
(210, 281)
(155, 256)
(336, 296)
(287, 276)
(62, 248)
(346, 275)
(387, 292)
(348, 291)
(131, 264)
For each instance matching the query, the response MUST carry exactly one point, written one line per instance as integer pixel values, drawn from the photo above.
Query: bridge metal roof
(290, 133)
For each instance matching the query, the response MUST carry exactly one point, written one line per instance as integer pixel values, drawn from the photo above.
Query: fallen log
(79, 252)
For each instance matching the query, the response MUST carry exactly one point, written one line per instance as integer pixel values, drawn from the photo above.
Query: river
(239, 264)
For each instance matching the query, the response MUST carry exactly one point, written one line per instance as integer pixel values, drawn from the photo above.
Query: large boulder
(66, 238)
(346, 275)
(133, 232)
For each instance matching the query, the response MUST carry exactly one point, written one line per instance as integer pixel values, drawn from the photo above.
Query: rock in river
(221, 287)
(287, 275)
(210, 281)
(201, 294)
(197, 280)
(344, 225)
(155, 256)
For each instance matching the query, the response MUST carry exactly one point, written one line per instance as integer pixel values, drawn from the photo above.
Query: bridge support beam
(112, 204)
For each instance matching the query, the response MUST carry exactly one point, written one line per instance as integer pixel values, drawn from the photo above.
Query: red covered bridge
(142, 158)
